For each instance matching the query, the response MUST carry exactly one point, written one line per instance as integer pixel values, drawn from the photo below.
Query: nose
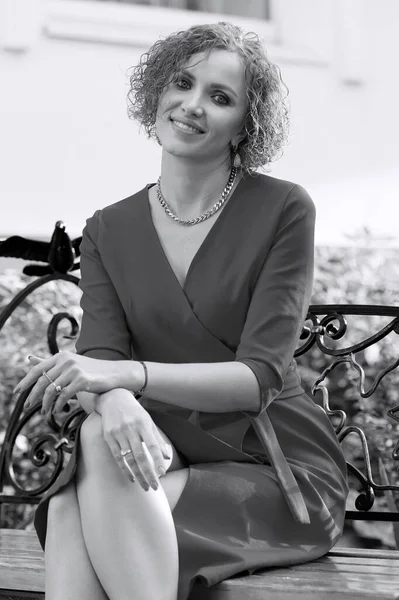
(192, 105)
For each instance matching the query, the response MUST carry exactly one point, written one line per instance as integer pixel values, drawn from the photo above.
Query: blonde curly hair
(267, 119)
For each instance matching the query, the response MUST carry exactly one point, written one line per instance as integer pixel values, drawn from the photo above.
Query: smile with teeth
(185, 127)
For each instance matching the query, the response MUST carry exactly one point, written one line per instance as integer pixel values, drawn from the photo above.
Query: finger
(27, 381)
(167, 451)
(139, 460)
(67, 392)
(116, 452)
(51, 393)
(152, 463)
(34, 360)
(36, 393)
(44, 390)
(157, 449)
(58, 393)
(33, 375)
(60, 400)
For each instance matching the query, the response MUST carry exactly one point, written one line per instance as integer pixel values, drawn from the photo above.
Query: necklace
(207, 214)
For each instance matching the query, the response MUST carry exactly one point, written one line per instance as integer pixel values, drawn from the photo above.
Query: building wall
(68, 148)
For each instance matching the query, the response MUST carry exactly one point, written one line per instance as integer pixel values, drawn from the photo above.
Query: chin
(178, 149)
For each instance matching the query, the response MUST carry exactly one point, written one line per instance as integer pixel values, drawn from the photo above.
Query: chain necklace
(207, 214)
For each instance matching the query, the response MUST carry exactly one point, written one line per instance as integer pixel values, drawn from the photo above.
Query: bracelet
(145, 378)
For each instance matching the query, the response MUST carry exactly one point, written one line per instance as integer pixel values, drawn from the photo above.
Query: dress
(247, 504)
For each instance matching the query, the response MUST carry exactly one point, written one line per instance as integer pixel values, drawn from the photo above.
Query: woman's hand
(72, 372)
(126, 425)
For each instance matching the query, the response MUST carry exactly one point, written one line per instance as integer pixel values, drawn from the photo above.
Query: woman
(195, 291)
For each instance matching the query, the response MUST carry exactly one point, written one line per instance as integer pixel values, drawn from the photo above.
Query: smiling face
(202, 111)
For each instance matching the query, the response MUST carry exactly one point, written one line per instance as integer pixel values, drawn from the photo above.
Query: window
(255, 9)
(139, 23)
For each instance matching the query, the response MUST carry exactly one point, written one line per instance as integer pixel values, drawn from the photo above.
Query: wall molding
(140, 26)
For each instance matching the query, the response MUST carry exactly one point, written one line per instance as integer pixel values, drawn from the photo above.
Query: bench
(343, 573)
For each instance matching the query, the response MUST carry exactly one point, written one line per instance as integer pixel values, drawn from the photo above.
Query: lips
(187, 124)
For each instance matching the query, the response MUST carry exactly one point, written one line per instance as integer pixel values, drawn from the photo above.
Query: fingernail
(154, 484)
(161, 471)
(15, 391)
(27, 405)
(42, 412)
(146, 487)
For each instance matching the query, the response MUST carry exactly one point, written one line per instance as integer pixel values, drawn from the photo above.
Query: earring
(237, 160)
(158, 140)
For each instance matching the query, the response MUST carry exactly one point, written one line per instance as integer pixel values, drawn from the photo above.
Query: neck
(192, 189)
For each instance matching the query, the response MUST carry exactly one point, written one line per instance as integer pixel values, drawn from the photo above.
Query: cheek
(165, 102)
(226, 126)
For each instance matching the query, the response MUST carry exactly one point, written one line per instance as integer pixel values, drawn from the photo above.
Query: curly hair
(267, 120)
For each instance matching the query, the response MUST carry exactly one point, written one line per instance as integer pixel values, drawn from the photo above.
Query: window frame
(140, 26)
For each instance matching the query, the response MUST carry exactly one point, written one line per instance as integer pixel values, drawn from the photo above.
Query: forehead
(217, 65)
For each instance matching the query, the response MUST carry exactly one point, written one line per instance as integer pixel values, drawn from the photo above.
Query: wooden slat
(328, 578)
(21, 562)
(18, 595)
(365, 552)
(343, 574)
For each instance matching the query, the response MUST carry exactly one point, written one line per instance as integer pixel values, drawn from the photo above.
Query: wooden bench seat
(344, 573)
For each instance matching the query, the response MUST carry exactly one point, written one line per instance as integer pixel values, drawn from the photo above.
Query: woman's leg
(129, 533)
(69, 574)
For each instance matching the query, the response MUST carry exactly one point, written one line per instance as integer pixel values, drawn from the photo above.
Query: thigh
(173, 484)
(175, 461)
(175, 478)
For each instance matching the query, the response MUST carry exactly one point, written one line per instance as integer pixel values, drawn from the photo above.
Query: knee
(94, 453)
(62, 501)
(91, 431)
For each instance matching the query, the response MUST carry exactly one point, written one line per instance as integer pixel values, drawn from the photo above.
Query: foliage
(343, 275)
(360, 275)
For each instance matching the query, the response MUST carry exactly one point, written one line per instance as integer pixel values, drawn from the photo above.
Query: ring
(58, 388)
(124, 452)
(49, 378)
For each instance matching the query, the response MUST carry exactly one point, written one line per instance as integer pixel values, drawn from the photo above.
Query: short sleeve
(104, 331)
(281, 297)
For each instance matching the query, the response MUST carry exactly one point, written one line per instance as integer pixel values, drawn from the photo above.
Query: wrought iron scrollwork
(326, 328)
(60, 255)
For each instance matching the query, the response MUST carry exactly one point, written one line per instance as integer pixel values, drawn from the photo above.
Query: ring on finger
(58, 388)
(123, 454)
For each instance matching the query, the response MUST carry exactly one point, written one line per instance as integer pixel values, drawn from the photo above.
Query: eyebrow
(214, 85)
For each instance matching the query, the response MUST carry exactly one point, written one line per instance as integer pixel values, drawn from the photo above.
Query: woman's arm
(87, 401)
(90, 401)
(209, 387)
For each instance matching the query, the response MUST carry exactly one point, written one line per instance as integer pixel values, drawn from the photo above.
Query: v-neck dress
(267, 487)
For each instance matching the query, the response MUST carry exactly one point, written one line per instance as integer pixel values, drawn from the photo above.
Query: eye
(225, 99)
(179, 81)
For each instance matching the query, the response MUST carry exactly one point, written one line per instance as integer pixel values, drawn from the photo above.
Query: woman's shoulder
(281, 192)
(120, 210)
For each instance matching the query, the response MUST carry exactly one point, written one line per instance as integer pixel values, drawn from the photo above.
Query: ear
(238, 138)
